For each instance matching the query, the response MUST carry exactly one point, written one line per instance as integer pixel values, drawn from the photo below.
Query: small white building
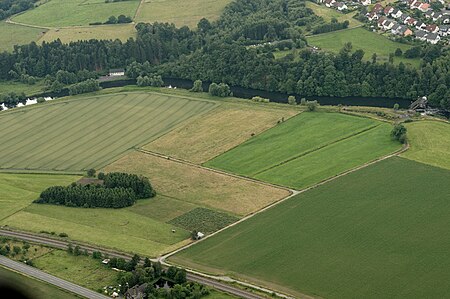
(116, 72)
(200, 235)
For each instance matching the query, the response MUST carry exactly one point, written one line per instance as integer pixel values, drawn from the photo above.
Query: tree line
(116, 190)
(236, 50)
(12, 7)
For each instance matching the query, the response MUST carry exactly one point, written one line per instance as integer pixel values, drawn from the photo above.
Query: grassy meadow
(33, 288)
(429, 143)
(199, 187)
(67, 35)
(88, 132)
(380, 232)
(11, 35)
(75, 12)
(17, 191)
(218, 131)
(180, 12)
(81, 270)
(303, 150)
(369, 42)
(329, 13)
(18, 87)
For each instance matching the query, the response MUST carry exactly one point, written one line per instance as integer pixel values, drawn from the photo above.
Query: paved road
(221, 286)
(61, 283)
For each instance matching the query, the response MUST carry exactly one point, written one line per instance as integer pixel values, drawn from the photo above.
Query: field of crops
(88, 132)
(429, 143)
(204, 220)
(180, 12)
(303, 150)
(62, 13)
(380, 232)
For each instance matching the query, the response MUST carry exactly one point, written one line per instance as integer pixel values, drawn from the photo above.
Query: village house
(423, 7)
(420, 35)
(432, 28)
(366, 2)
(377, 8)
(403, 18)
(387, 10)
(444, 30)
(411, 3)
(398, 29)
(420, 25)
(446, 19)
(436, 16)
(372, 16)
(396, 13)
(116, 72)
(433, 38)
(340, 6)
(329, 3)
(411, 22)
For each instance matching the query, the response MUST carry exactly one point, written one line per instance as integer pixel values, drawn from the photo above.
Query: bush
(63, 235)
(83, 87)
(396, 106)
(399, 133)
(91, 173)
(220, 90)
(312, 105)
(303, 102)
(153, 80)
(198, 86)
(40, 100)
(292, 100)
(260, 99)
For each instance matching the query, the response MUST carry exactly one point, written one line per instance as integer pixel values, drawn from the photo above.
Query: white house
(433, 38)
(366, 2)
(116, 72)
(396, 13)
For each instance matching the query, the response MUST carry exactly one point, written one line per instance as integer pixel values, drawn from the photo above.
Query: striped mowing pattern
(90, 132)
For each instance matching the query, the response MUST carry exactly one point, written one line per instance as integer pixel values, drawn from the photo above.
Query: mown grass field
(429, 143)
(194, 186)
(33, 288)
(81, 270)
(380, 232)
(218, 131)
(304, 150)
(11, 35)
(62, 13)
(88, 132)
(17, 191)
(180, 12)
(363, 39)
(66, 35)
(329, 13)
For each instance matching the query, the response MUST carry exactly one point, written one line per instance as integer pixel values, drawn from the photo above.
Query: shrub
(197, 87)
(220, 90)
(292, 100)
(312, 105)
(63, 235)
(396, 106)
(91, 173)
(399, 133)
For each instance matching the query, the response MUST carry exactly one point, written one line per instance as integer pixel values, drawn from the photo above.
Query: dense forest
(117, 190)
(237, 50)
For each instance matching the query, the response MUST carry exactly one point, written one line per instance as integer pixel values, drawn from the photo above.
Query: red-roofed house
(424, 7)
(432, 28)
(377, 8)
(388, 10)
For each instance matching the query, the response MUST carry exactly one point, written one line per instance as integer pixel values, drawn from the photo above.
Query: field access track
(85, 133)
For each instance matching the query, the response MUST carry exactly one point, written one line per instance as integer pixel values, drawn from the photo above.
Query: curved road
(40, 275)
(62, 244)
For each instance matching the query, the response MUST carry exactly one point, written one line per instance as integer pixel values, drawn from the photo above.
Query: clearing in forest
(429, 143)
(88, 132)
(380, 232)
(309, 148)
(63, 13)
(180, 12)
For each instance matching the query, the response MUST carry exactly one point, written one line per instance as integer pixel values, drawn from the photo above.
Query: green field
(82, 270)
(88, 132)
(18, 87)
(33, 288)
(329, 13)
(304, 150)
(11, 35)
(66, 35)
(429, 143)
(63, 13)
(380, 232)
(363, 39)
(180, 12)
(17, 191)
